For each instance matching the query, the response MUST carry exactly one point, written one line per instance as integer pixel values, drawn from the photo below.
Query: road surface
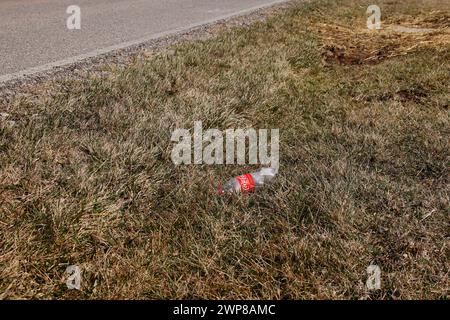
(34, 36)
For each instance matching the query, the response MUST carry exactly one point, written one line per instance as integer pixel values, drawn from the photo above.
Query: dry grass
(86, 176)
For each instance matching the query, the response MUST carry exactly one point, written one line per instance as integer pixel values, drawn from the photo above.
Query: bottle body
(248, 182)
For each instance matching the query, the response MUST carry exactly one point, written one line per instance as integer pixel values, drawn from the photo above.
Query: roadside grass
(86, 177)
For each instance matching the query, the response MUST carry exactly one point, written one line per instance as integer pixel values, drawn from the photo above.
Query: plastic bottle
(248, 182)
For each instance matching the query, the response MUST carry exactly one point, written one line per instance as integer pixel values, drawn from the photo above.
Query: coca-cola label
(246, 182)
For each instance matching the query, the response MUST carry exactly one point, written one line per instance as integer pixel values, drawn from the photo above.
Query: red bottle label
(246, 182)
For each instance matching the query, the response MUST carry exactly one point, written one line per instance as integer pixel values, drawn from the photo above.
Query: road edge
(193, 31)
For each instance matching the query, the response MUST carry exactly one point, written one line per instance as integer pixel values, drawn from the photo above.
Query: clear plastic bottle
(248, 182)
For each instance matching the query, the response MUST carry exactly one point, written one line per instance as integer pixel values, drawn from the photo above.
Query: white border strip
(123, 45)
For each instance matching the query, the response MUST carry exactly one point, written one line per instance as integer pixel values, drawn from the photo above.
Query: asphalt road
(34, 36)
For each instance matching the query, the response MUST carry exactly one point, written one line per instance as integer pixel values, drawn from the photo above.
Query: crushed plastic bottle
(248, 182)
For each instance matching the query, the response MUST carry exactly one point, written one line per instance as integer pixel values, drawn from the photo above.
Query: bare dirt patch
(350, 45)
